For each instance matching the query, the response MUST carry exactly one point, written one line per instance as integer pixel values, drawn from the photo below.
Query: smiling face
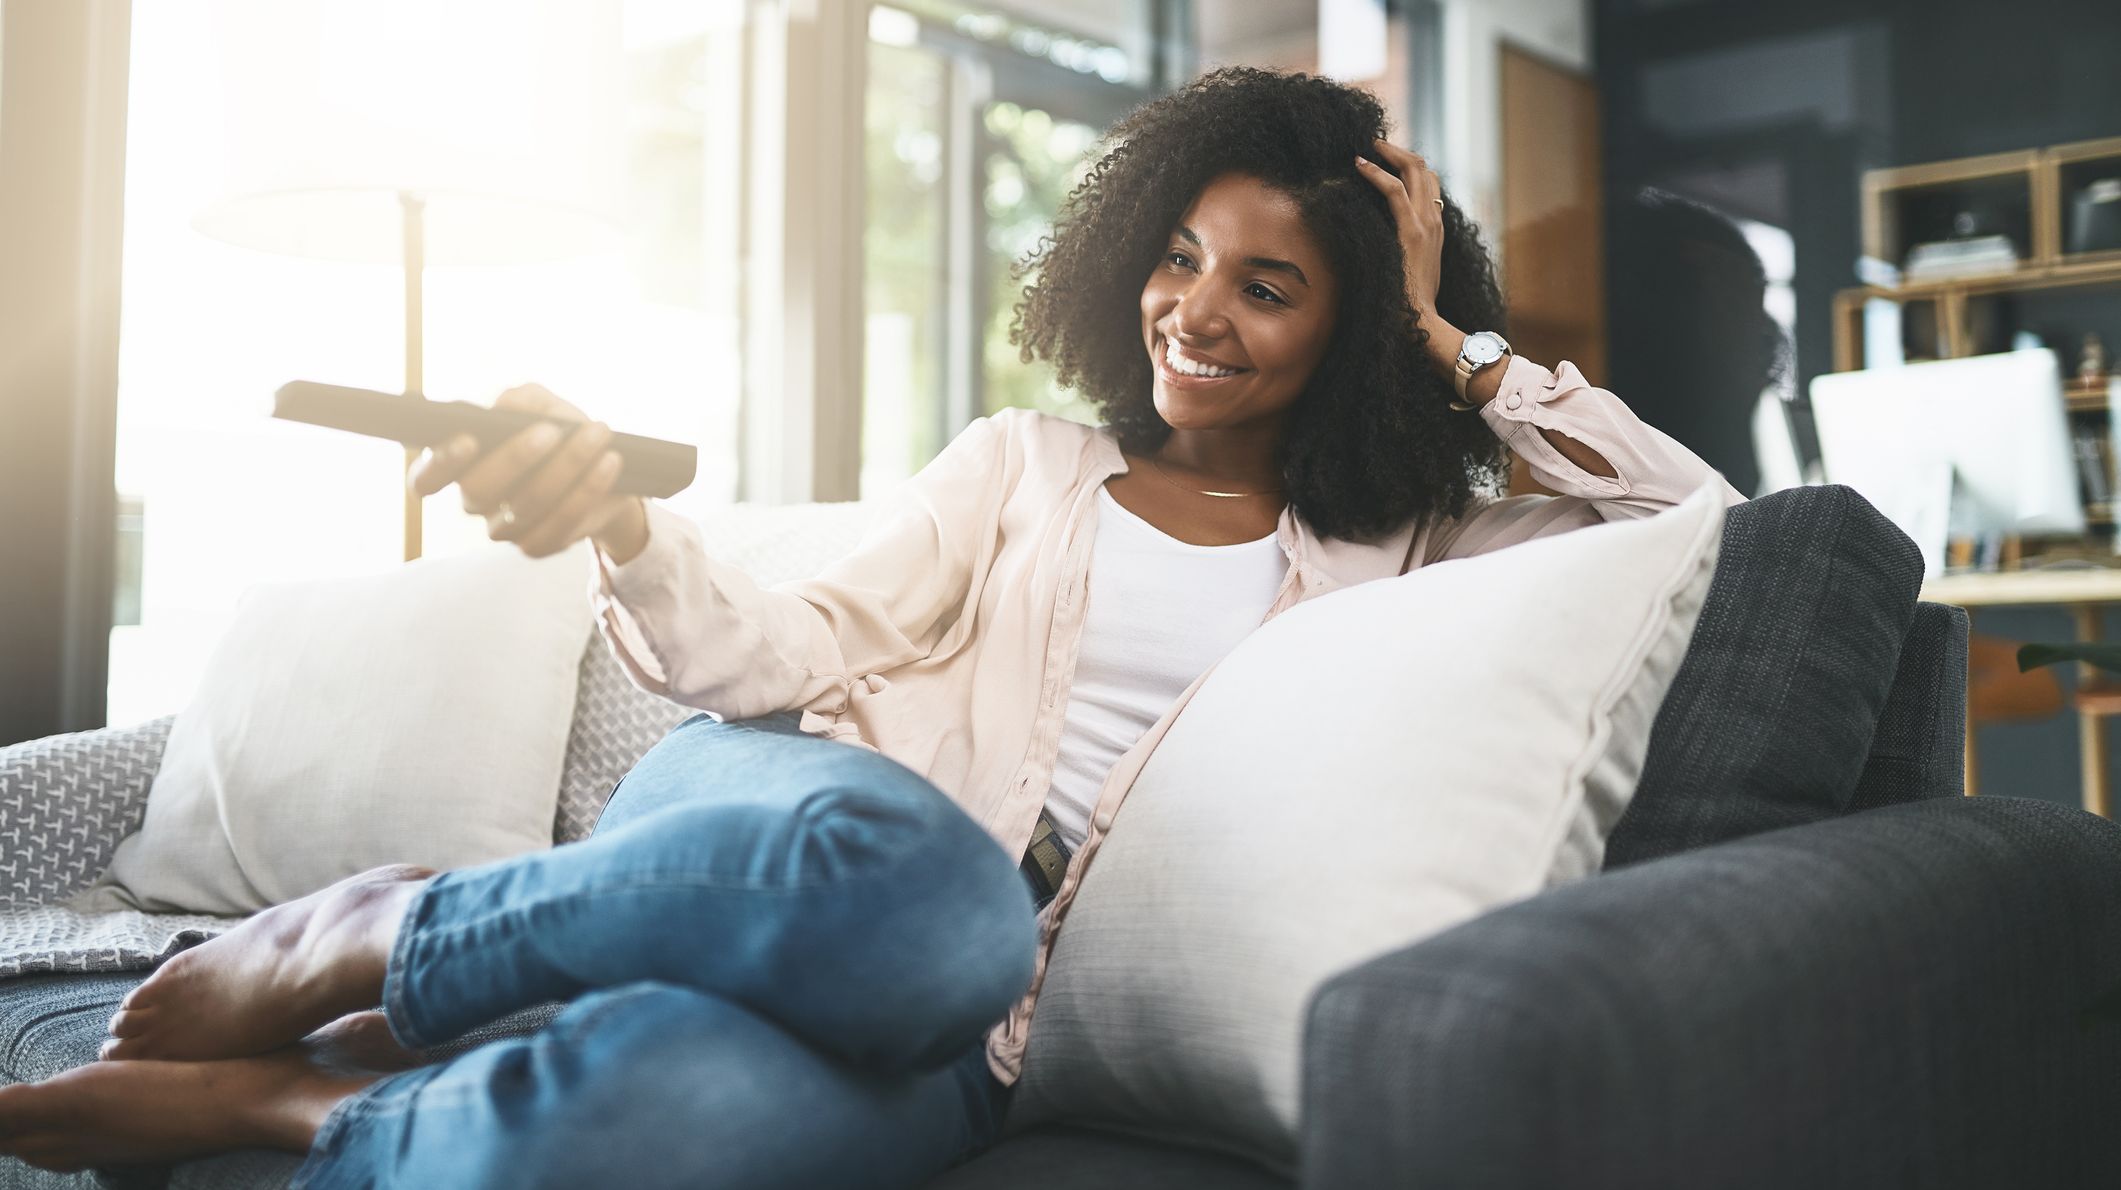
(1237, 314)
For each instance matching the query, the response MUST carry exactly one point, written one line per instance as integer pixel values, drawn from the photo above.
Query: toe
(122, 1049)
(129, 1022)
(151, 989)
(126, 1049)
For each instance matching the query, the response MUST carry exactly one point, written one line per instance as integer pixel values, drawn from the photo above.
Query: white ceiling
(1227, 27)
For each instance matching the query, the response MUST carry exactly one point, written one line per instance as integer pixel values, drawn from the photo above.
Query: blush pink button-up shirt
(947, 638)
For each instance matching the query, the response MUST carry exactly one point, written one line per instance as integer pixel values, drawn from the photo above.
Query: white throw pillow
(416, 716)
(1366, 769)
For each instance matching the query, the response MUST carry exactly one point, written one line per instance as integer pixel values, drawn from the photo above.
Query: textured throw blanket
(41, 939)
(66, 801)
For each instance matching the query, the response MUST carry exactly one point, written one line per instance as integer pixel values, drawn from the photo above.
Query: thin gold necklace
(1182, 487)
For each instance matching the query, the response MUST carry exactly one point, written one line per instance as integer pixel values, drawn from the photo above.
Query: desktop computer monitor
(1973, 447)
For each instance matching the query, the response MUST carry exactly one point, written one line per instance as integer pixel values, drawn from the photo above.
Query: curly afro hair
(1370, 442)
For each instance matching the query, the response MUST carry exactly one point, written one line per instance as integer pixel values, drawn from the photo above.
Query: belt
(1045, 861)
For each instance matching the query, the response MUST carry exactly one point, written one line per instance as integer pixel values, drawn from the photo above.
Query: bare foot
(131, 1113)
(271, 980)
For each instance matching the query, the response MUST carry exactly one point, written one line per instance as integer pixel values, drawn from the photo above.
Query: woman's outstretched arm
(702, 632)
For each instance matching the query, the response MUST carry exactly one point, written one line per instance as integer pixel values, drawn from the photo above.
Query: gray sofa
(1809, 963)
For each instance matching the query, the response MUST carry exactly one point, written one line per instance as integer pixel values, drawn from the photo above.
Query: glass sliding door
(980, 119)
(908, 128)
(1032, 158)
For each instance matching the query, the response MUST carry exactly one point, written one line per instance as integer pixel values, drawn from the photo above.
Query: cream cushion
(415, 716)
(1366, 769)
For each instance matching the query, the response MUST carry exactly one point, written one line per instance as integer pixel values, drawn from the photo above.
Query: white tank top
(1160, 611)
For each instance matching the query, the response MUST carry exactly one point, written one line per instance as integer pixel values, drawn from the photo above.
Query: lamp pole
(414, 209)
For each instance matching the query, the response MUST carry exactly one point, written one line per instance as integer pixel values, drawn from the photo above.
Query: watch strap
(1461, 374)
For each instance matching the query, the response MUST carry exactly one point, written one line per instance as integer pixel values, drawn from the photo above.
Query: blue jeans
(782, 955)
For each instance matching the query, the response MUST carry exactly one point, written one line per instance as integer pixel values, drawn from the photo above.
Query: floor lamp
(420, 133)
(413, 212)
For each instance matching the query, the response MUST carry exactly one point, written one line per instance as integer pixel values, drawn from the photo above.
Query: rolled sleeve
(628, 599)
(1532, 398)
(1651, 470)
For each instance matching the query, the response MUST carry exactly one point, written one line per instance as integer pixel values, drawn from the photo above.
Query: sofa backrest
(1794, 667)
(1814, 685)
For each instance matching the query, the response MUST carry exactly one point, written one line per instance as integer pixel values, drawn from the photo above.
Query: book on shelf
(1961, 258)
(2095, 464)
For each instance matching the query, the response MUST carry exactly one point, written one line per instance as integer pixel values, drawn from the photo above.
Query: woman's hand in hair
(543, 488)
(1415, 195)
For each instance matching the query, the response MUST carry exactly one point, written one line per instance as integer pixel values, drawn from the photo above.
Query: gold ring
(1437, 201)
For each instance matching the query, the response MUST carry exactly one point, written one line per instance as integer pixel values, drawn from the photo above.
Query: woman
(795, 964)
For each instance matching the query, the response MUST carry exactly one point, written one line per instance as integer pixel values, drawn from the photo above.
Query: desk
(2019, 588)
(2083, 592)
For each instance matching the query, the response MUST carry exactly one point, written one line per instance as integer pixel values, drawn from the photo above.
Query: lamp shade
(502, 116)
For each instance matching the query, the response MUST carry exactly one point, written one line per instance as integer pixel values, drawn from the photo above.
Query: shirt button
(1516, 399)
(1104, 820)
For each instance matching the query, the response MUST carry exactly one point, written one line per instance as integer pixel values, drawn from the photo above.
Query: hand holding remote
(543, 488)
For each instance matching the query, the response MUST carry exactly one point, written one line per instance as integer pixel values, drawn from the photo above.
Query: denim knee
(979, 936)
(898, 885)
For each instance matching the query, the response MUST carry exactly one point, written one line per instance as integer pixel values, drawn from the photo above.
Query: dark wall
(1991, 77)
(1773, 110)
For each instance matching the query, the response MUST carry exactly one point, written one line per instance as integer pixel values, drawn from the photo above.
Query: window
(217, 496)
(978, 121)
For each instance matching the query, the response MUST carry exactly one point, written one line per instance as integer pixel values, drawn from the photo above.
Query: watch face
(1482, 348)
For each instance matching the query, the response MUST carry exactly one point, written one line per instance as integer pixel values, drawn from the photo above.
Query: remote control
(650, 467)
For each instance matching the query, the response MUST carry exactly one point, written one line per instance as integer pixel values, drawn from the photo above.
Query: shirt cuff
(1526, 402)
(627, 599)
(652, 567)
(1524, 386)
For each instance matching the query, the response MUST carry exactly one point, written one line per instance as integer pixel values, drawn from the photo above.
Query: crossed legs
(765, 927)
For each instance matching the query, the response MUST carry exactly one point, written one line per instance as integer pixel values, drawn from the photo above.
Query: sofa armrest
(1926, 994)
(66, 801)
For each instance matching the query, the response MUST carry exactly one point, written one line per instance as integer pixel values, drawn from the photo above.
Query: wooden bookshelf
(2047, 179)
(1886, 192)
(2080, 397)
(2075, 165)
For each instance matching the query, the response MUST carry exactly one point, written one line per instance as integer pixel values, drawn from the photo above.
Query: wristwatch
(1480, 349)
